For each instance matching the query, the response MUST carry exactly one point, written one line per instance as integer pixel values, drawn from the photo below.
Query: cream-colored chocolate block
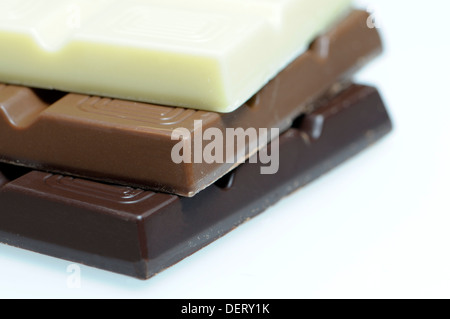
(204, 54)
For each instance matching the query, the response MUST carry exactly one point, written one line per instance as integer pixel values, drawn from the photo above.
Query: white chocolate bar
(205, 54)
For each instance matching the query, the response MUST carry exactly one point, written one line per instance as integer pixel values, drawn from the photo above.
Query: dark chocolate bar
(140, 233)
(131, 143)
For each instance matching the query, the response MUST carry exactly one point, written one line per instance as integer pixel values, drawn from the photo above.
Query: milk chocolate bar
(140, 233)
(131, 144)
(205, 54)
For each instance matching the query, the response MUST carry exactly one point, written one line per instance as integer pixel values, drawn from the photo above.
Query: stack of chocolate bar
(134, 133)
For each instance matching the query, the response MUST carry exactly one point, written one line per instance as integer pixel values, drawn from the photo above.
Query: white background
(376, 227)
